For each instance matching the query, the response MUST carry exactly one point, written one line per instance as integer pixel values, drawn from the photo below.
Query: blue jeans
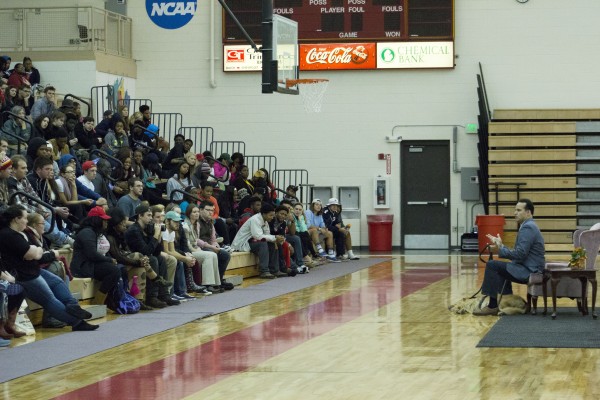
(179, 285)
(297, 245)
(223, 257)
(268, 260)
(56, 236)
(50, 292)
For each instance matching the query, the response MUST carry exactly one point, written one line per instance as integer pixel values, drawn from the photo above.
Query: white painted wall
(542, 54)
(539, 54)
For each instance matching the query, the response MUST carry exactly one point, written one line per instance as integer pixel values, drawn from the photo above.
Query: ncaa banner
(171, 14)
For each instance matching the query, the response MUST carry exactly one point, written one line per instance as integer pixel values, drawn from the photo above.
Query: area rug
(569, 330)
(42, 354)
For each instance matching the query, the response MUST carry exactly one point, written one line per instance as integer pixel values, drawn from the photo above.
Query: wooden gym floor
(380, 333)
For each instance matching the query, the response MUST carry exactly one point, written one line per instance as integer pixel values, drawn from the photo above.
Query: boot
(160, 282)
(3, 333)
(10, 327)
(189, 281)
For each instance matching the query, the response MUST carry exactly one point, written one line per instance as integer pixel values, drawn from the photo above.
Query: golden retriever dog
(510, 304)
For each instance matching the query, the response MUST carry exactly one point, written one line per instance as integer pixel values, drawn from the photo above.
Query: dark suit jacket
(528, 253)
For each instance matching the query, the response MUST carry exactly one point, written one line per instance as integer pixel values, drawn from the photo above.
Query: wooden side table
(584, 275)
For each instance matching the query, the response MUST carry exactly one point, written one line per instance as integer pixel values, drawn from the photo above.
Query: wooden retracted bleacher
(552, 155)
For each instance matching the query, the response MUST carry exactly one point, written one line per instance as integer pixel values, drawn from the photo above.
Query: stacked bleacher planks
(554, 157)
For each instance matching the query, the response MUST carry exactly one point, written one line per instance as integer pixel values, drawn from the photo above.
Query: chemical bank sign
(415, 55)
(171, 14)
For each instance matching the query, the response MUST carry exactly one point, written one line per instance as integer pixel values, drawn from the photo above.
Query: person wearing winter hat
(5, 172)
(332, 217)
(89, 174)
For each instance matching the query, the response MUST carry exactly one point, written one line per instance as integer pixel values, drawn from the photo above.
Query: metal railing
(81, 100)
(282, 178)
(254, 163)
(134, 104)
(201, 135)
(19, 139)
(169, 124)
(65, 29)
(227, 146)
(37, 201)
(102, 100)
(185, 194)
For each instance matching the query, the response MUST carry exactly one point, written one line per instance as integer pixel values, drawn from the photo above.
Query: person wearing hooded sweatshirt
(39, 147)
(40, 126)
(106, 125)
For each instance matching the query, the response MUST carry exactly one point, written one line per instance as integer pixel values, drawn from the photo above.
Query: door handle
(425, 203)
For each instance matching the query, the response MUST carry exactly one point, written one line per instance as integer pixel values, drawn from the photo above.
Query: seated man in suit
(526, 257)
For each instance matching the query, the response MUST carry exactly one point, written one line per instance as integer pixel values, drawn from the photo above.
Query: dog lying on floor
(510, 304)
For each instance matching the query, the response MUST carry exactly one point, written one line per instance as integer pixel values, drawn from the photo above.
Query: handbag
(121, 302)
(23, 323)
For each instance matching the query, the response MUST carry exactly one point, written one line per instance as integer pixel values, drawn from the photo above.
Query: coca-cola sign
(337, 56)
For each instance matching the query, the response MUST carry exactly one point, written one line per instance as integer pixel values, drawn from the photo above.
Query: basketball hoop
(311, 91)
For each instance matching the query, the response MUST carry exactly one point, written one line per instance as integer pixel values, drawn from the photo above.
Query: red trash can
(488, 224)
(380, 232)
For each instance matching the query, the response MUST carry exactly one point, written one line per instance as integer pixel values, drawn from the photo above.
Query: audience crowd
(120, 196)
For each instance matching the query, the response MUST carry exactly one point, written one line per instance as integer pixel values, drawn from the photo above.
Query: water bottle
(135, 290)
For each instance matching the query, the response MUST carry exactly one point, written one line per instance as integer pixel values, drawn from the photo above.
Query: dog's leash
(487, 248)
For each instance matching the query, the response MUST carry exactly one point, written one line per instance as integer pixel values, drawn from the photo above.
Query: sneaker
(4, 342)
(145, 307)
(486, 311)
(227, 285)
(170, 301)
(322, 253)
(77, 311)
(154, 302)
(84, 326)
(186, 296)
(177, 297)
(351, 256)
(203, 290)
(52, 323)
(280, 274)
(333, 259)
(267, 275)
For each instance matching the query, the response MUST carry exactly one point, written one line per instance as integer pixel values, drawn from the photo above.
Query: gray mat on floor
(42, 354)
(569, 330)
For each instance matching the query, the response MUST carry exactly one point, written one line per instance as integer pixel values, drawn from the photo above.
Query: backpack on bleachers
(119, 301)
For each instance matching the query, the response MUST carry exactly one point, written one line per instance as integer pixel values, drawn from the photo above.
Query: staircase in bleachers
(554, 154)
(171, 124)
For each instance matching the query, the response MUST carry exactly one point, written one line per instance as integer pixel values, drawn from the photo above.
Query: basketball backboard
(285, 51)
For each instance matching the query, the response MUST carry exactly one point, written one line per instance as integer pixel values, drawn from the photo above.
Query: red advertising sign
(332, 56)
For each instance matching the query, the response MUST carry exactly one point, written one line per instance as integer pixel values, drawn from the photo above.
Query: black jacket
(85, 254)
(137, 241)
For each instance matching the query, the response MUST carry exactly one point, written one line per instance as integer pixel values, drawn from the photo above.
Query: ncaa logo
(171, 14)
(236, 55)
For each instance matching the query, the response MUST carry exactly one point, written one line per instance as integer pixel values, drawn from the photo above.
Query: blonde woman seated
(318, 231)
(209, 259)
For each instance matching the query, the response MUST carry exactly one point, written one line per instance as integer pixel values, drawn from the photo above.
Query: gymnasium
(450, 113)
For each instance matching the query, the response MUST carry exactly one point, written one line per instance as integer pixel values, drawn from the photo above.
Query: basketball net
(311, 91)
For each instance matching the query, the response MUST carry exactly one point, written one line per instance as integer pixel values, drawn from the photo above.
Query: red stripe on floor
(190, 371)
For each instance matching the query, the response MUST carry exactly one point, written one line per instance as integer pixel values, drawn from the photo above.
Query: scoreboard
(348, 20)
